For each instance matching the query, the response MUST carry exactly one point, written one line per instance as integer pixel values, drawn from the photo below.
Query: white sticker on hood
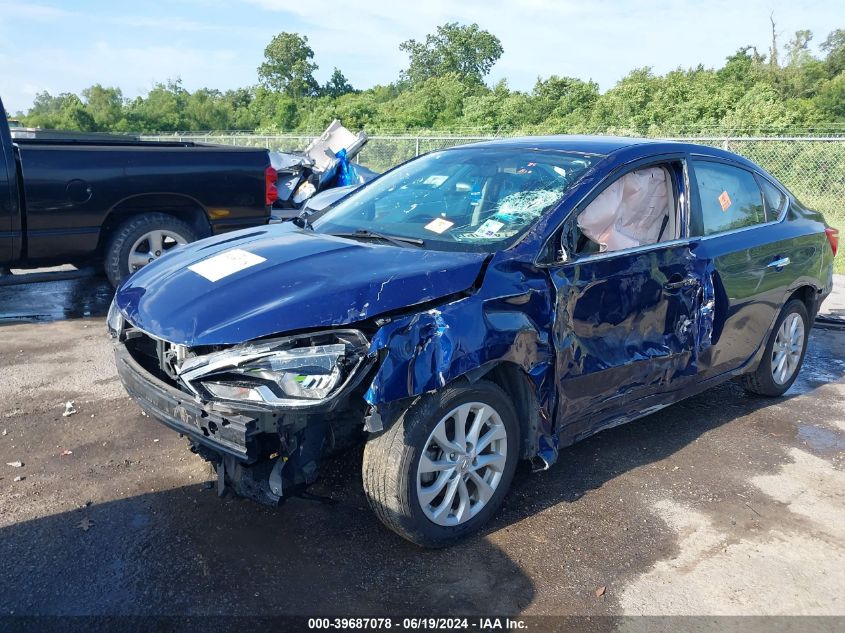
(225, 264)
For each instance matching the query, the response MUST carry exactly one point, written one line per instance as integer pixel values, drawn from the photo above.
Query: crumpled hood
(306, 280)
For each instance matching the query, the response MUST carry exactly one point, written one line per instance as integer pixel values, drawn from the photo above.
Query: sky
(66, 46)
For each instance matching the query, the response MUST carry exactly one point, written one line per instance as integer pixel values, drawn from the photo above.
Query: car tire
(770, 379)
(397, 482)
(127, 235)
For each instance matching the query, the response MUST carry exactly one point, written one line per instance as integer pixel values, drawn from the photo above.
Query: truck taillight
(271, 194)
(833, 238)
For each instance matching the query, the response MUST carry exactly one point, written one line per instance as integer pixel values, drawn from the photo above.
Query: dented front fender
(506, 320)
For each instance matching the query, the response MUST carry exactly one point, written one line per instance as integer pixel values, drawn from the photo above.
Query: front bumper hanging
(233, 434)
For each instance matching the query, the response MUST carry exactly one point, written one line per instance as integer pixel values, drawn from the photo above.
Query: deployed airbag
(631, 211)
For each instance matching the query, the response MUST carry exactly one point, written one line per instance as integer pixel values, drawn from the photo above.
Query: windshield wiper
(396, 240)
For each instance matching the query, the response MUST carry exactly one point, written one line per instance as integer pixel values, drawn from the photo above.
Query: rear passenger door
(746, 265)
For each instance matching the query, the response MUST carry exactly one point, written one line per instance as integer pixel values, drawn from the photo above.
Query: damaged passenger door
(627, 297)
(750, 257)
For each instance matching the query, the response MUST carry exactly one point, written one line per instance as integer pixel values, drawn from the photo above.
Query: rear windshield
(468, 199)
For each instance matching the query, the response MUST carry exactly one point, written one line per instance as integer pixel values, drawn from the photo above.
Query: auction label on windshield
(438, 225)
(225, 264)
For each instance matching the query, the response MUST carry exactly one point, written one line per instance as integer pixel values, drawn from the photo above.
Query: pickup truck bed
(122, 202)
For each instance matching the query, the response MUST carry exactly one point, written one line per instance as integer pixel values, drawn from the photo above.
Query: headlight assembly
(114, 320)
(290, 372)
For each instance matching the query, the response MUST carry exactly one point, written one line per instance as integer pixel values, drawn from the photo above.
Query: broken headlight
(114, 320)
(297, 371)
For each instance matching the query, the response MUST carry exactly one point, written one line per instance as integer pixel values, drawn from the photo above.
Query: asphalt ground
(725, 504)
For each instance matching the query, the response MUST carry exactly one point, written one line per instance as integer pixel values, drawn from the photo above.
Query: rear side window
(729, 198)
(775, 200)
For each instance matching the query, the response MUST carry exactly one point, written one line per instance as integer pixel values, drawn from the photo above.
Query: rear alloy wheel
(442, 469)
(142, 239)
(784, 353)
(788, 349)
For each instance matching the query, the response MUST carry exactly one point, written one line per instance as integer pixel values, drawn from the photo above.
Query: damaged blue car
(471, 308)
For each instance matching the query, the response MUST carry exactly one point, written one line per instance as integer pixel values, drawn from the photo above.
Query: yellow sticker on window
(725, 200)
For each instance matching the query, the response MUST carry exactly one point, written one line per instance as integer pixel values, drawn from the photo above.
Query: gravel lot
(723, 504)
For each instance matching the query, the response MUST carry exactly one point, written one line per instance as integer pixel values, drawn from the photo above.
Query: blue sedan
(470, 308)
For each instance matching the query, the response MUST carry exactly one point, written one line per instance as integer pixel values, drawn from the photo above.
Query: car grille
(157, 356)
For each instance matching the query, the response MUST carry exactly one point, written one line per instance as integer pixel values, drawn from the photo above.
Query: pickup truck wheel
(784, 353)
(142, 239)
(441, 470)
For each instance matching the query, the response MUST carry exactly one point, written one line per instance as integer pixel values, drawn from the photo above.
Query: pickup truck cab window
(729, 196)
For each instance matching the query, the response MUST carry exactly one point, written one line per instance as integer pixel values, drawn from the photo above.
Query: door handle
(682, 283)
(779, 263)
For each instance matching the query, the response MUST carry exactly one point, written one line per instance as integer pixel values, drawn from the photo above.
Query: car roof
(592, 144)
(609, 145)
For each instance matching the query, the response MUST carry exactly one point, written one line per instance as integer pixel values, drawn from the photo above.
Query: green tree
(467, 51)
(831, 99)
(443, 89)
(287, 66)
(162, 110)
(834, 46)
(563, 100)
(625, 107)
(743, 69)
(63, 112)
(274, 110)
(240, 101)
(105, 105)
(436, 103)
(74, 116)
(798, 48)
(206, 109)
(803, 73)
(337, 85)
(761, 110)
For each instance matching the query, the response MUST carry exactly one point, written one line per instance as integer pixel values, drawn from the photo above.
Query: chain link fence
(813, 167)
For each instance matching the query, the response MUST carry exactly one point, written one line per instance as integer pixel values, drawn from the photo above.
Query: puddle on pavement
(821, 439)
(821, 366)
(55, 300)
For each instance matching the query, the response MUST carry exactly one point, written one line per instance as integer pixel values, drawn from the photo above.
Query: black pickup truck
(122, 202)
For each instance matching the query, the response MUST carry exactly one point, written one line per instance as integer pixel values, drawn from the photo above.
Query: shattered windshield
(468, 199)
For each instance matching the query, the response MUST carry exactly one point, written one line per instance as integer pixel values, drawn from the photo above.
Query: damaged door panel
(468, 309)
(757, 260)
(627, 321)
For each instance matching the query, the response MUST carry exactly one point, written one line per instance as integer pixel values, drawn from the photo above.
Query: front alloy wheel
(462, 464)
(441, 470)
